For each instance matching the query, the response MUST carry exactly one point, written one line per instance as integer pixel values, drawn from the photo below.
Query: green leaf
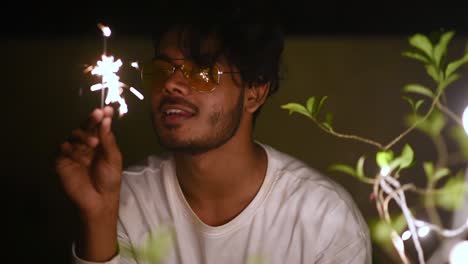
(452, 194)
(154, 249)
(328, 121)
(344, 168)
(406, 157)
(449, 80)
(429, 170)
(432, 126)
(327, 125)
(422, 43)
(432, 71)
(441, 48)
(418, 104)
(440, 173)
(410, 101)
(360, 167)
(419, 89)
(384, 158)
(322, 101)
(416, 56)
(296, 108)
(454, 65)
(381, 230)
(311, 105)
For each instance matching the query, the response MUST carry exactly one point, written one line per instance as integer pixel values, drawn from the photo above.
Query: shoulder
(324, 207)
(297, 174)
(320, 196)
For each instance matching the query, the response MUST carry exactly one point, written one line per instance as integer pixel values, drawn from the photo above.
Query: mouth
(173, 115)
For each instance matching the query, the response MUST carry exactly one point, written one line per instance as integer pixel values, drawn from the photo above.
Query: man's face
(186, 120)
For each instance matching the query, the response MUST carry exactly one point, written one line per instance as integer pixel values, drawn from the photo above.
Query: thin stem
(442, 152)
(429, 205)
(448, 112)
(346, 136)
(415, 124)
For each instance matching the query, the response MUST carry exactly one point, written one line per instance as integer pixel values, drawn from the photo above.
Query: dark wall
(362, 76)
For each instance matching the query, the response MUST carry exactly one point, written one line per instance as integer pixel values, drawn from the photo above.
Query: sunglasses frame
(188, 74)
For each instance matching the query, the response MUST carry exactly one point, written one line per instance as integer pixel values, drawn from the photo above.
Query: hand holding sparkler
(90, 168)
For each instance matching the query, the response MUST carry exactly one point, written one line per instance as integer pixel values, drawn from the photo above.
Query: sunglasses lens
(155, 73)
(201, 80)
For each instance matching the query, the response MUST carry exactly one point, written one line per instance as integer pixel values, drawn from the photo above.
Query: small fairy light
(107, 68)
(459, 253)
(406, 235)
(465, 120)
(385, 171)
(423, 231)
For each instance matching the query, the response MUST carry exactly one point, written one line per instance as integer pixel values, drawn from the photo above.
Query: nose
(176, 83)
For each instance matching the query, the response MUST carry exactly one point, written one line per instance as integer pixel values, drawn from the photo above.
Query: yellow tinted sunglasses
(202, 79)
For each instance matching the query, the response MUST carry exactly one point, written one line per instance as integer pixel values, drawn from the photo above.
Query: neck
(222, 173)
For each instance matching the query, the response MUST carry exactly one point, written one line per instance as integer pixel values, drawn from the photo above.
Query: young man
(225, 197)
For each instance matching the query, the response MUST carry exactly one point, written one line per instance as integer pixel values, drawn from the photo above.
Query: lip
(180, 107)
(175, 120)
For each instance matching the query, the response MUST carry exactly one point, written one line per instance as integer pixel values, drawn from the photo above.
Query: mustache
(171, 100)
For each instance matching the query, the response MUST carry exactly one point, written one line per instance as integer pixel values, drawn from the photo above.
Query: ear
(255, 96)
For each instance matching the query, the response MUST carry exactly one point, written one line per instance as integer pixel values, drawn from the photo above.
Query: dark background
(350, 52)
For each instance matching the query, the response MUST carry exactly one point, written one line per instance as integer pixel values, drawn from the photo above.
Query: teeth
(173, 111)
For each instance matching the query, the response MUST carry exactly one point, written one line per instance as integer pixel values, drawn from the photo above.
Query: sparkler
(107, 68)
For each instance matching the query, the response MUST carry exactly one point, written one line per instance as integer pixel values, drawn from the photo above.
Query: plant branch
(448, 112)
(346, 136)
(415, 124)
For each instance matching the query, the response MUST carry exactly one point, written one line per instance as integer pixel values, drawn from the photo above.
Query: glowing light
(423, 231)
(105, 30)
(459, 253)
(136, 93)
(107, 68)
(385, 171)
(406, 235)
(465, 120)
(135, 65)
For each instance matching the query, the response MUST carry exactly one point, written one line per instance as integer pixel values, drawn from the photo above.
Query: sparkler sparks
(107, 68)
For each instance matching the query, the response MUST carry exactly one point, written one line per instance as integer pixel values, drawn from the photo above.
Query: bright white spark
(107, 68)
(135, 65)
(465, 120)
(105, 30)
(136, 93)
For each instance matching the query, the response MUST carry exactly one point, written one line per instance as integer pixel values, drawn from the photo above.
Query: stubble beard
(223, 126)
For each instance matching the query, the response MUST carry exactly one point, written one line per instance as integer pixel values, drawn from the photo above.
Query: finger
(94, 118)
(108, 111)
(107, 140)
(88, 138)
(78, 153)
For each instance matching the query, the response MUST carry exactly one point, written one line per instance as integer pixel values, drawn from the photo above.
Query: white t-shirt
(297, 216)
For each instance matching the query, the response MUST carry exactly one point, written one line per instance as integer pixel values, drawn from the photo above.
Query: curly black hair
(253, 47)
